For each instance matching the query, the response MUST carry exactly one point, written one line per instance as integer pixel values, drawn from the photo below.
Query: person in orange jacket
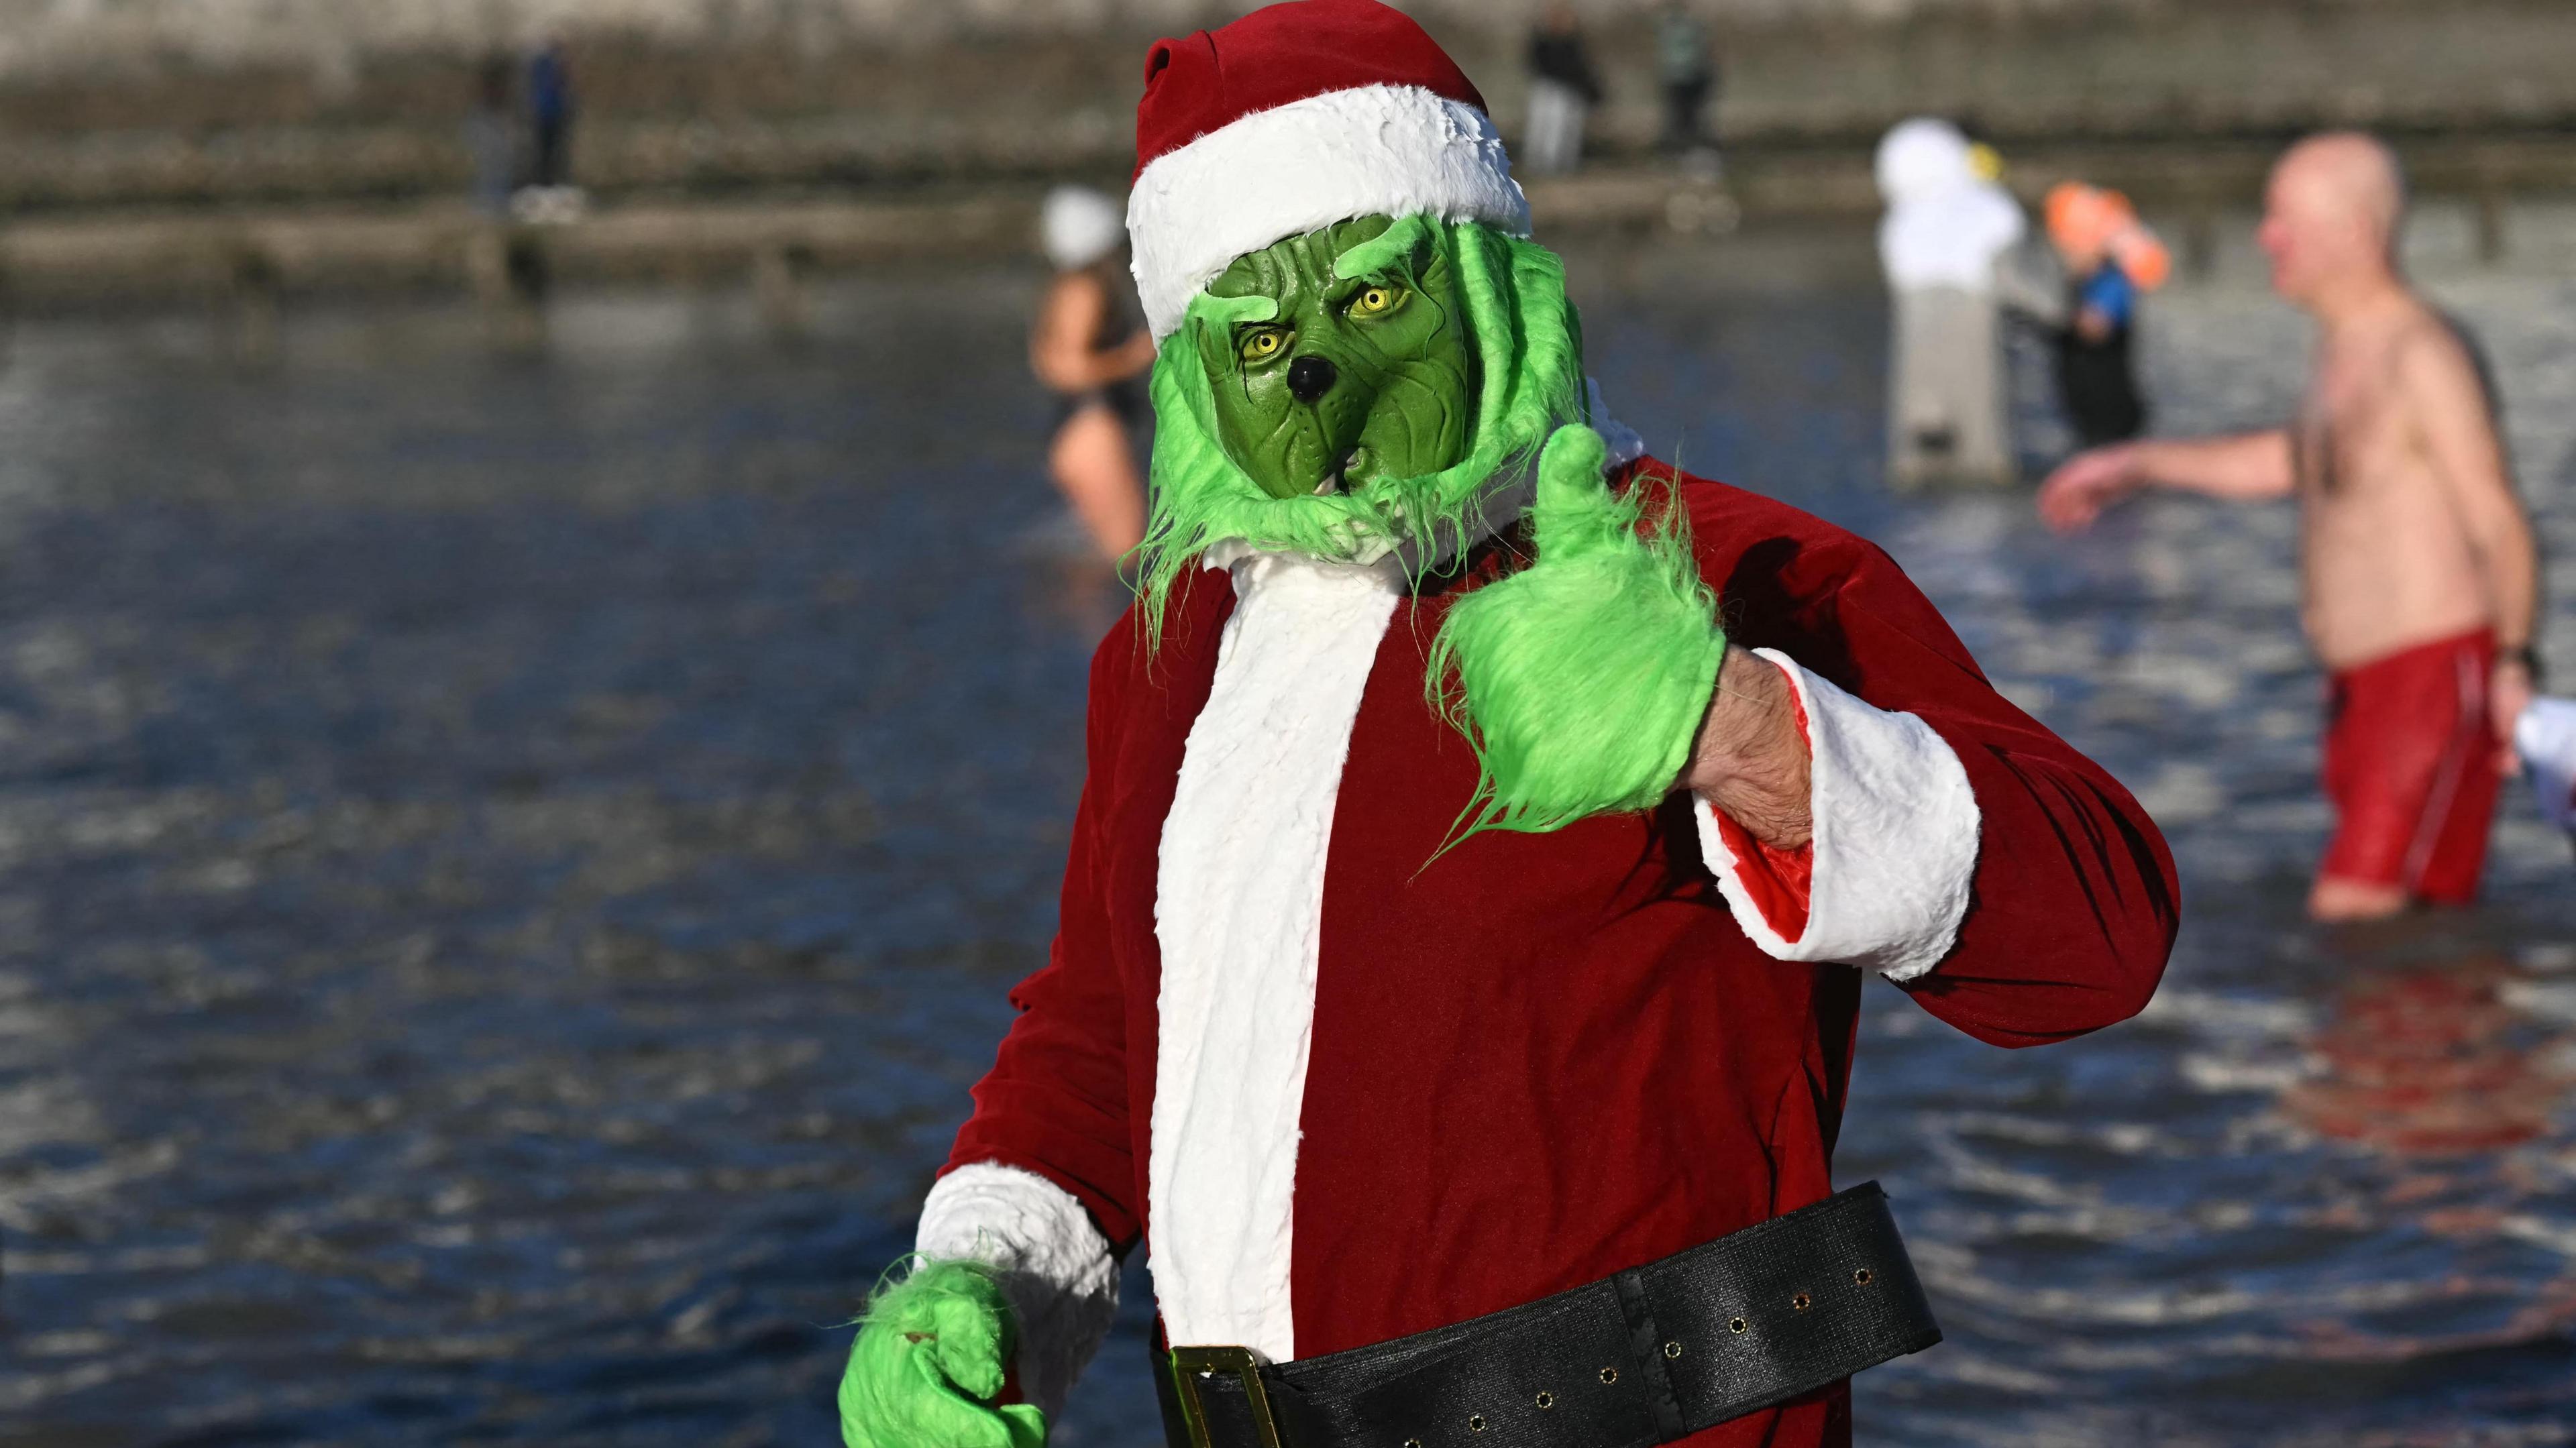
(2110, 259)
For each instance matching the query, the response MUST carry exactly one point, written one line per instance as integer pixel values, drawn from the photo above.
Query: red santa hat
(1292, 118)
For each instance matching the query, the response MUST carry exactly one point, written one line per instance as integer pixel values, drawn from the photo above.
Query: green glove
(928, 1363)
(1582, 679)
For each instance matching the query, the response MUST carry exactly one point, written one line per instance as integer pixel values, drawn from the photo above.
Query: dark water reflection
(508, 867)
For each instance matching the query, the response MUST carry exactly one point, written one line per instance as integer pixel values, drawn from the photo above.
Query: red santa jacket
(1533, 1060)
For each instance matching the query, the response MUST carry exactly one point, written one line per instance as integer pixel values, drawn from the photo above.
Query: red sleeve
(1056, 1101)
(2075, 901)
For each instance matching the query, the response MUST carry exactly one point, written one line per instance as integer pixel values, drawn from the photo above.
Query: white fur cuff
(1895, 846)
(1056, 1268)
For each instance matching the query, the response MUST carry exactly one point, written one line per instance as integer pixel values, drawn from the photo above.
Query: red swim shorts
(2411, 765)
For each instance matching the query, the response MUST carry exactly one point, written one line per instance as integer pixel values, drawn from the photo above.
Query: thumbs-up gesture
(1582, 679)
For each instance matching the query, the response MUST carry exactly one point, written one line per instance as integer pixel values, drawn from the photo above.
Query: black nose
(1310, 378)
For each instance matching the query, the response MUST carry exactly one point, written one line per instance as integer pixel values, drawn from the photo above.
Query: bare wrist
(1750, 758)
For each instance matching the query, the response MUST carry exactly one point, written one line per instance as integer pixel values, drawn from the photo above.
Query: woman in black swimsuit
(1091, 347)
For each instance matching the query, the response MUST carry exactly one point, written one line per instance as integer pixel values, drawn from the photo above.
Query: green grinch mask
(1356, 368)
(1357, 391)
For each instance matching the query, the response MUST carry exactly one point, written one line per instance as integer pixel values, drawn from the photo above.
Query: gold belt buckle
(1189, 1364)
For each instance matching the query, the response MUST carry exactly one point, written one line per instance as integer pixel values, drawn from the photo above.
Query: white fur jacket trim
(1055, 1266)
(1895, 848)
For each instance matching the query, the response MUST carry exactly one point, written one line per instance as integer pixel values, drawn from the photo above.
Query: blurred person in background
(550, 114)
(1563, 90)
(491, 140)
(1945, 230)
(2110, 258)
(1090, 347)
(1689, 73)
(2421, 579)
(2546, 739)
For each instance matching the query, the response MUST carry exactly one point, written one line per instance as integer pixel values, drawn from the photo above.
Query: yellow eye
(1263, 345)
(1376, 301)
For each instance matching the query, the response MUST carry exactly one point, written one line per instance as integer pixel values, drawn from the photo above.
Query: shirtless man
(2420, 574)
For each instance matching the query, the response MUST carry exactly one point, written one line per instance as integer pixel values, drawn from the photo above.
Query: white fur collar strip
(1239, 913)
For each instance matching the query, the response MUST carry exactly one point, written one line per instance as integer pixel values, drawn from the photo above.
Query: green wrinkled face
(1409, 370)
(1358, 368)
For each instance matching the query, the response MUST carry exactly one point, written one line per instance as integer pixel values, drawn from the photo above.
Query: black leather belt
(1652, 1354)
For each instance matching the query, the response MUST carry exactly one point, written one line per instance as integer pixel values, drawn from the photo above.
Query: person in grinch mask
(1486, 830)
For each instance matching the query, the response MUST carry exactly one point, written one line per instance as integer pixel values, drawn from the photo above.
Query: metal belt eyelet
(1476, 1423)
(1545, 1400)
(1672, 1349)
(1609, 1375)
(1738, 1325)
(1801, 1302)
(1861, 1277)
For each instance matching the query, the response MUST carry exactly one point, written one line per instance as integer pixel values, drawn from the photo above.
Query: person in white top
(1946, 228)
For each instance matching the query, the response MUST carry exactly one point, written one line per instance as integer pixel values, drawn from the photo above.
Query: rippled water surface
(509, 863)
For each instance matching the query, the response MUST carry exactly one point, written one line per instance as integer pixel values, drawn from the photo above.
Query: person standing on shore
(491, 141)
(550, 113)
(1091, 348)
(1563, 90)
(2421, 579)
(1689, 72)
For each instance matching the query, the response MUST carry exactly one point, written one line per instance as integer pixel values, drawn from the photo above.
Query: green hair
(1528, 348)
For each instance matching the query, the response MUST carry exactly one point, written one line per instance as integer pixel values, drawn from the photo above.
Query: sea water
(510, 859)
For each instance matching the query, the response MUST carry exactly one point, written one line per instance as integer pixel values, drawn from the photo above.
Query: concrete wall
(46, 36)
(122, 102)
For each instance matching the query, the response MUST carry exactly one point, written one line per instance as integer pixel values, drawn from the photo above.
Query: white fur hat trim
(1372, 150)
